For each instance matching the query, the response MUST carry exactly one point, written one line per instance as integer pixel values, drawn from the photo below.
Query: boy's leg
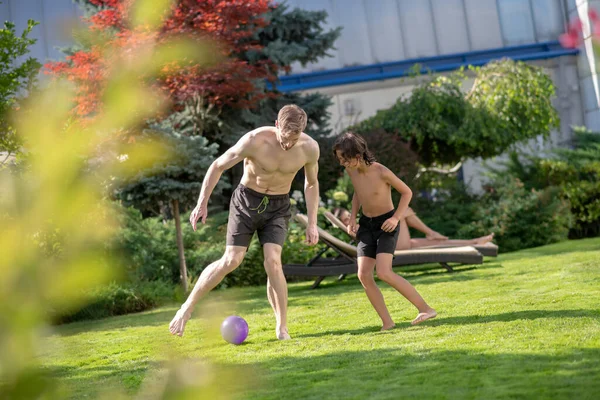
(277, 291)
(386, 274)
(210, 277)
(366, 265)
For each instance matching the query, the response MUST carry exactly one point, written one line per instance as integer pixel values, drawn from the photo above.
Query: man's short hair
(292, 119)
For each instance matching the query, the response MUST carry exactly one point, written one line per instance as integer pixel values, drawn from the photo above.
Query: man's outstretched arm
(231, 157)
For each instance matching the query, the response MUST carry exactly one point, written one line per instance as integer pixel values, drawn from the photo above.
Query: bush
(574, 172)
(584, 197)
(439, 123)
(341, 194)
(118, 299)
(295, 249)
(448, 211)
(329, 167)
(146, 246)
(520, 218)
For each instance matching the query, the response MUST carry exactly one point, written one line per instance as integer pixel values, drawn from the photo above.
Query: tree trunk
(182, 266)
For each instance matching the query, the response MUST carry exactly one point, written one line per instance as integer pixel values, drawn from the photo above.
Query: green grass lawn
(524, 325)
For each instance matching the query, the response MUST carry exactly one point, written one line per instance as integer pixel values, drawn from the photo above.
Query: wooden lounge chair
(488, 249)
(345, 261)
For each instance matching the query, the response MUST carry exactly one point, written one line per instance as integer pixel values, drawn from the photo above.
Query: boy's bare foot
(424, 316)
(436, 236)
(485, 239)
(387, 327)
(177, 325)
(283, 334)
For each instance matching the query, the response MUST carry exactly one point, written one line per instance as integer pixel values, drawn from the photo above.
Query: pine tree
(172, 183)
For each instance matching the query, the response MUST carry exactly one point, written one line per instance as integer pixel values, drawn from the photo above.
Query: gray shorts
(251, 211)
(372, 240)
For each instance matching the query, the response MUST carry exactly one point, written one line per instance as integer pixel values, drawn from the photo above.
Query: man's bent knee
(231, 261)
(272, 264)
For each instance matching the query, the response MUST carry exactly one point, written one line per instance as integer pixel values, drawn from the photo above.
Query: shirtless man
(272, 157)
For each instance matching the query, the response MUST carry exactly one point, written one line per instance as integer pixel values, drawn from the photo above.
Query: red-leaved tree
(231, 24)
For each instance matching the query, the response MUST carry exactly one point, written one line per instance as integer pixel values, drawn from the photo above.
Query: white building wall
(376, 31)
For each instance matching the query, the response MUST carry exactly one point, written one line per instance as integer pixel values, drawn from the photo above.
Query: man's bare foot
(485, 239)
(387, 327)
(424, 316)
(436, 236)
(177, 325)
(282, 334)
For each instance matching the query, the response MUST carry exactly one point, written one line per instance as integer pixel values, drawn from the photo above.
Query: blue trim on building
(398, 69)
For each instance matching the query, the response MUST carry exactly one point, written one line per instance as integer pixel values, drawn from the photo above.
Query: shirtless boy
(377, 234)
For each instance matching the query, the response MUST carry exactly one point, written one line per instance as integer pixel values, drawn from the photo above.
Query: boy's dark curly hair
(351, 145)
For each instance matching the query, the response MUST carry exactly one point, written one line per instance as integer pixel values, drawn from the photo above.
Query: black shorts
(372, 240)
(251, 211)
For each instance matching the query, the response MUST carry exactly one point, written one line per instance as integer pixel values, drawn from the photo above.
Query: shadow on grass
(394, 373)
(148, 318)
(107, 380)
(88, 382)
(470, 319)
(387, 373)
(331, 285)
(364, 330)
(515, 316)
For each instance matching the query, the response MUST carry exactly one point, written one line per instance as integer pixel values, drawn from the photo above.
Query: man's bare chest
(277, 162)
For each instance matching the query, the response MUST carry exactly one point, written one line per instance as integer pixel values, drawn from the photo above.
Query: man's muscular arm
(311, 192)
(231, 157)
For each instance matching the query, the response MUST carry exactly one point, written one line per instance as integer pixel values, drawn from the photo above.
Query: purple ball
(234, 329)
